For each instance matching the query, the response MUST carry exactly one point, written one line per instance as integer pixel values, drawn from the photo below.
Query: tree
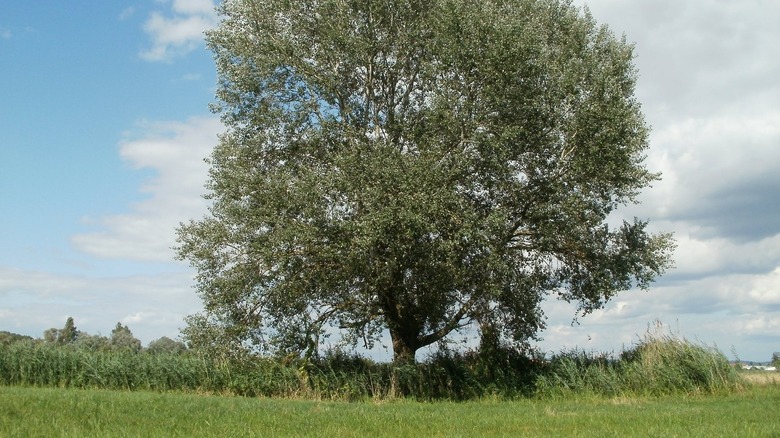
(122, 339)
(69, 333)
(166, 345)
(8, 338)
(66, 335)
(417, 166)
(93, 342)
(51, 335)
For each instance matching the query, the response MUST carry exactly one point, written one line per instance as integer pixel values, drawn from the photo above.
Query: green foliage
(69, 333)
(51, 335)
(335, 376)
(412, 166)
(667, 364)
(776, 359)
(166, 345)
(658, 365)
(122, 339)
(7, 338)
(70, 366)
(66, 335)
(93, 342)
(44, 364)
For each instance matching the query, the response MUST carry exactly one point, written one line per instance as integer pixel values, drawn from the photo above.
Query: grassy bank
(91, 413)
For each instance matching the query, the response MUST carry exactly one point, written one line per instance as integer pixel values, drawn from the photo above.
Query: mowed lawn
(53, 412)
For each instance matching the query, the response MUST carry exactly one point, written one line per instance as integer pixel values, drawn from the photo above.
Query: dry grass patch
(762, 378)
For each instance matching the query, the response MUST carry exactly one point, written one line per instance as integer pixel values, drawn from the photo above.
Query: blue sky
(104, 124)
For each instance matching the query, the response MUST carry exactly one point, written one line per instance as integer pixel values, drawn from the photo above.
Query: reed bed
(45, 365)
(657, 365)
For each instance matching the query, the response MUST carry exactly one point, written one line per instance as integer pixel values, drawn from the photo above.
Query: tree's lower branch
(453, 324)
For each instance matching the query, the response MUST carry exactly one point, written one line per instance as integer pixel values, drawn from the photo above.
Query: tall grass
(659, 364)
(37, 364)
(336, 376)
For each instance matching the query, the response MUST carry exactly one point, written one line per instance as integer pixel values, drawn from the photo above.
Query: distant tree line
(121, 339)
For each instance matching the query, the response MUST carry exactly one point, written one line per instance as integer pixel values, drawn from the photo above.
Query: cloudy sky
(104, 124)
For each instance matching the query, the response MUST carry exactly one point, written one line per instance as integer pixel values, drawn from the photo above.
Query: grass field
(53, 412)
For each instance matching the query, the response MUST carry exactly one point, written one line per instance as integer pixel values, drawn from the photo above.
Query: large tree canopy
(416, 166)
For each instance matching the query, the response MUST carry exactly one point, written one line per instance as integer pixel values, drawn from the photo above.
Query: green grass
(54, 412)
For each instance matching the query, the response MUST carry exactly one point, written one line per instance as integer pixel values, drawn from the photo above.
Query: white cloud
(765, 290)
(698, 258)
(175, 151)
(180, 32)
(727, 309)
(695, 56)
(5, 33)
(126, 13)
(193, 7)
(719, 173)
(191, 77)
(758, 325)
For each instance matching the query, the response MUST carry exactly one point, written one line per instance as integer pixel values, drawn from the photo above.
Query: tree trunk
(404, 330)
(403, 351)
(403, 355)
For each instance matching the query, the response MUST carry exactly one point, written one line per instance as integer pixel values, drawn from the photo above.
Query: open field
(75, 412)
